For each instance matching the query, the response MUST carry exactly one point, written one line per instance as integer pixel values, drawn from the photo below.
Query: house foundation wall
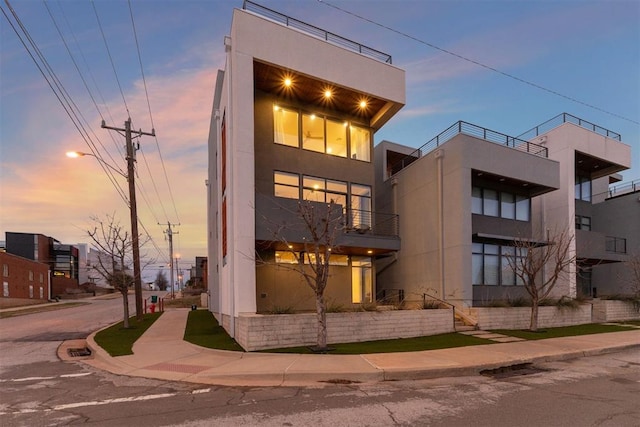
(520, 317)
(612, 310)
(261, 332)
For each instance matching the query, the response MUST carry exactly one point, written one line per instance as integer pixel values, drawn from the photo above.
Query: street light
(76, 154)
(130, 176)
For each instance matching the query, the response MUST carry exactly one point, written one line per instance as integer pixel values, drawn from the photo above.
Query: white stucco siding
(270, 42)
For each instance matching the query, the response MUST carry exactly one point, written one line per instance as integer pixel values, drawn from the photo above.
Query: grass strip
(118, 341)
(433, 342)
(203, 330)
(565, 331)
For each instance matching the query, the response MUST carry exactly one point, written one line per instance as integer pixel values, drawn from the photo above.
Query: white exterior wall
(233, 282)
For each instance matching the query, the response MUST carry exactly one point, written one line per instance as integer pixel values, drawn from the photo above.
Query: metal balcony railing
(466, 128)
(568, 118)
(316, 32)
(374, 223)
(624, 188)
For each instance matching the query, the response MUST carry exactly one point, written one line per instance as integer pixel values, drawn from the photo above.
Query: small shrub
(430, 304)
(281, 309)
(566, 302)
(519, 302)
(336, 308)
(368, 306)
(498, 303)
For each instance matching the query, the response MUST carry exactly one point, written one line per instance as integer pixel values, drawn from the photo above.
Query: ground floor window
(490, 264)
(361, 280)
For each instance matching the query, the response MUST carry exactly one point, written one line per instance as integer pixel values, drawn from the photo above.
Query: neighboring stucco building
(617, 219)
(469, 194)
(288, 124)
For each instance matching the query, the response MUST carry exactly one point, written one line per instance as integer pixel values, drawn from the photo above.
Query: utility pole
(131, 158)
(170, 234)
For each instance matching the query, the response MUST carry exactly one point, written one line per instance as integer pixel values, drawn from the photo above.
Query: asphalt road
(38, 389)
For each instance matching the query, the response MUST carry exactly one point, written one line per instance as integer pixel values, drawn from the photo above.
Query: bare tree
(633, 264)
(539, 266)
(161, 281)
(318, 226)
(113, 245)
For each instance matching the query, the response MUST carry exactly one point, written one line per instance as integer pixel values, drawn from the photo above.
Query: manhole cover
(79, 352)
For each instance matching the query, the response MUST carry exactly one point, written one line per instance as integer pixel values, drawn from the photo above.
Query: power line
(56, 87)
(478, 63)
(164, 169)
(106, 45)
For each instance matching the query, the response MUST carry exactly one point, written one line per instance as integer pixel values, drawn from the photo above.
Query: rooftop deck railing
(315, 31)
(624, 188)
(462, 127)
(568, 118)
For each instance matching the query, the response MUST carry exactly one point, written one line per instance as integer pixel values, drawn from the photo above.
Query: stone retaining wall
(614, 310)
(260, 332)
(520, 317)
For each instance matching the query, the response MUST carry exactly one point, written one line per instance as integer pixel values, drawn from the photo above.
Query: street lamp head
(75, 154)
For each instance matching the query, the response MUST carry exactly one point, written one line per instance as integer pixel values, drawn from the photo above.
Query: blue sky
(586, 50)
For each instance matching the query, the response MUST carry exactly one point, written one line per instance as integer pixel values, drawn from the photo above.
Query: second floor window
(501, 204)
(583, 188)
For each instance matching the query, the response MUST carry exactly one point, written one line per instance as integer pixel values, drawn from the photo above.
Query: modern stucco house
(290, 124)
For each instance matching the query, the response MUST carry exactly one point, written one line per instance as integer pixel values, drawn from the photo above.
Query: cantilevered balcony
(279, 224)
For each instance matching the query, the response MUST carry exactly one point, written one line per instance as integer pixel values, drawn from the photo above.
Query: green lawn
(433, 342)
(203, 330)
(566, 331)
(118, 341)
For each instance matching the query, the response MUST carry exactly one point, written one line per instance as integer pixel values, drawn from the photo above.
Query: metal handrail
(460, 314)
(568, 118)
(316, 32)
(462, 127)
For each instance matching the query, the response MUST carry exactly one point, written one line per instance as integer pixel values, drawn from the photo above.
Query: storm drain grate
(516, 370)
(79, 352)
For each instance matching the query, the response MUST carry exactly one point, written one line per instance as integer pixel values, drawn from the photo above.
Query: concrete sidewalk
(161, 353)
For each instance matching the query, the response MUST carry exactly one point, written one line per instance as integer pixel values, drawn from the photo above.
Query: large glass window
(502, 204)
(476, 200)
(490, 204)
(286, 185)
(337, 138)
(313, 133)
(507, 205)
(360, 143)
(360, 205)
(523, 208)
(361, 280)
(286, 257)
(490, 264)
(285, 126)
(583, 188)
(321, 134)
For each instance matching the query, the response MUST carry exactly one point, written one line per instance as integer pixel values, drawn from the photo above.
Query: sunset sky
(586, 51)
